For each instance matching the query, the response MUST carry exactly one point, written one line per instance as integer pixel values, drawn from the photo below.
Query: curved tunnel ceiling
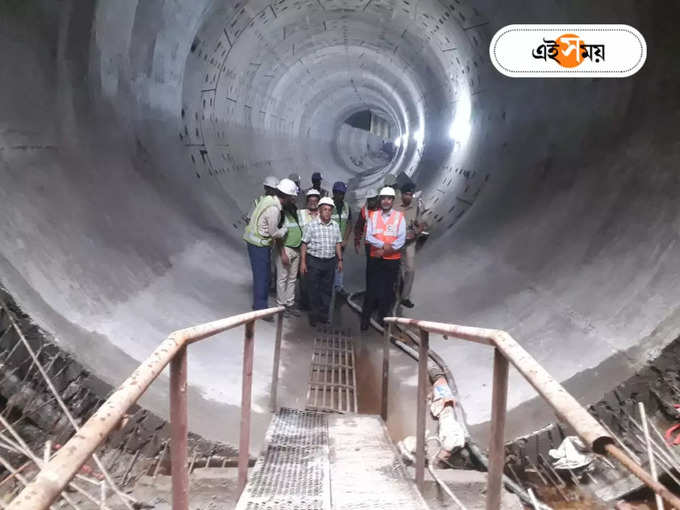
(133, 136)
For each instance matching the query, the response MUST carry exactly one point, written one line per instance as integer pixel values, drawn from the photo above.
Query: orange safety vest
(364, 215)
(386, 231)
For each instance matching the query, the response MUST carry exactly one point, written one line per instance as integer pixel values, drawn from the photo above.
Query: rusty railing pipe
(421, 418)
(246, 401)
(179, 431)
(274, 397)
(615, 452)
(499, 399)
(562, 402)
(385, 372)
(52, 479)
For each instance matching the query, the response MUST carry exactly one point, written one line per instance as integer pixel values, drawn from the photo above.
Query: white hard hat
(271, 182)
(313, 192)
(326, 201)
(387, 192)
(287, 187)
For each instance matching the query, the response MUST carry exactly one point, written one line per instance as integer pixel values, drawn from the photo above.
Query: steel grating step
(292, 471)
(332, 381)
(322, 461)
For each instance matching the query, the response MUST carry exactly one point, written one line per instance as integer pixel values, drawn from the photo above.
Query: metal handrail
(58, 472)
(506, 351)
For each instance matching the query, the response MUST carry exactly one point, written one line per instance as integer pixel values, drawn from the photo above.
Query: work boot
(407, 303)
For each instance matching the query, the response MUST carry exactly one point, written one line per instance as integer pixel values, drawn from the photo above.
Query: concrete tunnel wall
(133, 135)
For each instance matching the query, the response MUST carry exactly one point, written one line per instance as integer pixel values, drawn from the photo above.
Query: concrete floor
(133, 136)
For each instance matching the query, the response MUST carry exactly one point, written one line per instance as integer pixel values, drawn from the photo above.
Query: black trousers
(381, 287)
(303, 289)
(320, 275)
(367, 249)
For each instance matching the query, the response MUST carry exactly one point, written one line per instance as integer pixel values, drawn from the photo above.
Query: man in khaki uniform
(415, 226)
(342, 215)
(287, 260)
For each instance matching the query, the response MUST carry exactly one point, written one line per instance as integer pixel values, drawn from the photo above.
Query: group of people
(306, 232)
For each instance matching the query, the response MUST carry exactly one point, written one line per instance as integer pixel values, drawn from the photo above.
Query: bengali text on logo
(568, 51)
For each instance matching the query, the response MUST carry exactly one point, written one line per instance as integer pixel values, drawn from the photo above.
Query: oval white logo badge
(568, 51)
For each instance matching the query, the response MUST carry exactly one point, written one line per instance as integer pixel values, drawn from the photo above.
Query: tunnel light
(419, 136)
(401, 140)
(461, 126)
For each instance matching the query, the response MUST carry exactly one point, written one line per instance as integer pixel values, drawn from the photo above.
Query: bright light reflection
(401, 139)
(461, 126)
(419, 136)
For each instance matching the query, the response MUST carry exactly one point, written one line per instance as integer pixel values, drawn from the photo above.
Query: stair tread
(321, 461)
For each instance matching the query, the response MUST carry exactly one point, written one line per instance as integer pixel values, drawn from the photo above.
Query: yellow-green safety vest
(251, 235)
(253, 205)
(343, 219)
(305, 217)
(294, 235)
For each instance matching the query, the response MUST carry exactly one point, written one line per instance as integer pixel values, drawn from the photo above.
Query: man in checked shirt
(320, 254)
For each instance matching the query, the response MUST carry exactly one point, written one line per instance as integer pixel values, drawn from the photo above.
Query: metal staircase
(321, 461)
(327, 456)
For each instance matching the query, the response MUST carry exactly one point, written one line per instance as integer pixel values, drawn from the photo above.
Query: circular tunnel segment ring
(540, 216)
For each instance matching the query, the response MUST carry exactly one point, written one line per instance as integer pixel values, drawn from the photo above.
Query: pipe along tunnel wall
(134, 134)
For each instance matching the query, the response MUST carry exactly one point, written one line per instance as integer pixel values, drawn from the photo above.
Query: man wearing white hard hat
(301, 198)
(386, 234)
(260, 232)
(270, 183)
(415, 226)
(321, 255)
(307, 216)
(287, 259)
(360, 226)
(311, 211)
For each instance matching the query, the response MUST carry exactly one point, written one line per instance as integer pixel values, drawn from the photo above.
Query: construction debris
(451, 433)
(571, 454)
(44, 397)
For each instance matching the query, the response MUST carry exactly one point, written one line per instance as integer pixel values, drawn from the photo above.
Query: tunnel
(135, 134)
